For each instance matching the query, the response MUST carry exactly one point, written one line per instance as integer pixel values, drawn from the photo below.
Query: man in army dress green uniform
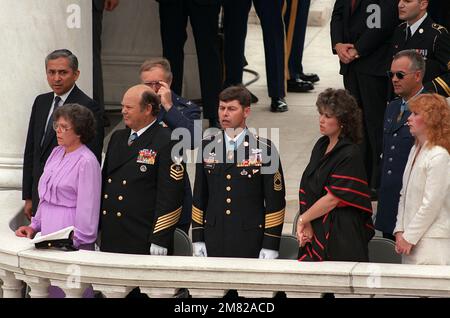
(143, 184)
(431, 40)
(239, 193)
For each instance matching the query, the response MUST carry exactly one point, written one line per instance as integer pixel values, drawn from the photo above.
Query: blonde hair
(436, 114)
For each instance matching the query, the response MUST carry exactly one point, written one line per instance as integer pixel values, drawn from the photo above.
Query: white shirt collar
(417, 24)
(237, 139)
(228, 139)
(64, 96)
(141, 131)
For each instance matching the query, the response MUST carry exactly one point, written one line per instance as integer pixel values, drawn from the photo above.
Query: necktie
(408, 34)
(132, 138)
(353, 6)
(48, 127)
(230, 152)
(402, 110)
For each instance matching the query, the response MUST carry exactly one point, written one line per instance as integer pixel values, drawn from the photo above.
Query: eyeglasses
(399, 75)
(156, 85)
(62, 128)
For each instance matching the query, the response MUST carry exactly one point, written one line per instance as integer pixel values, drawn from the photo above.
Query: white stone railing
(159, 276)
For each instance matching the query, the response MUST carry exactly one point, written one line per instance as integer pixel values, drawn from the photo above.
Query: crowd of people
(399, 152)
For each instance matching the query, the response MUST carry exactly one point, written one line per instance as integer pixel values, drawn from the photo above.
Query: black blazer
(372, 44)
(36, 155)
(142, 191)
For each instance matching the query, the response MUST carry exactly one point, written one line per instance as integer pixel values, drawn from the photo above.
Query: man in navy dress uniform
(407, 72)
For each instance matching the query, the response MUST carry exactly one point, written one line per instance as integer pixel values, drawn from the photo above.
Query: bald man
(143, 186)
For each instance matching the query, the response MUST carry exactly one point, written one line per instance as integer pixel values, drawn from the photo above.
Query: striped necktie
(132, 138)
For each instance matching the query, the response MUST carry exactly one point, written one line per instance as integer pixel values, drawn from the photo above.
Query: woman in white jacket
(422, 230)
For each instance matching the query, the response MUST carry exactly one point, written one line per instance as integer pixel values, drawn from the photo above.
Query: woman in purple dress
(70, 187)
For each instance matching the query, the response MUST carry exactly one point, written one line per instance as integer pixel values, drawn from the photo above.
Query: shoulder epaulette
(263, 141)
(439, 27)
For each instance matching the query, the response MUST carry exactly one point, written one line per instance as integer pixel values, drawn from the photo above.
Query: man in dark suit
(204, 18)
(176, 112)
(143, 186)
(97, 19)
(235, 32)
(420, 33)
(360, 35)
(407, 72)
(62, 73)
(239, 191)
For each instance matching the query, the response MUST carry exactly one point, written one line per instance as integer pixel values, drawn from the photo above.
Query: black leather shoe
(253, 99)
(310, 77)
(298, 86)
(278, 105)
(213, 122)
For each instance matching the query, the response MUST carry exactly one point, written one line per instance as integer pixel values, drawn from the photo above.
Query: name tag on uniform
(146, 156)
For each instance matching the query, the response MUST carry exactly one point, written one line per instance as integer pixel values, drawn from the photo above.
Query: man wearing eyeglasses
(407, 72)
(62, 73)
(431, 40)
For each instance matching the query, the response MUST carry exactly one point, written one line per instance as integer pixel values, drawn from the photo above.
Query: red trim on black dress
(349, 178)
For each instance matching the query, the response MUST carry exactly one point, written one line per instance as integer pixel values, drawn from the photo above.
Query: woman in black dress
(336, 213)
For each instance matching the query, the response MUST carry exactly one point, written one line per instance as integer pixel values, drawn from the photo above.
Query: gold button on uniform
(228, 200)
(104, 212)
(228, 188)
(124, 182)
(260, 226)
(119, 214)
(109, 180)
(120, 198)
(228, 212)
(228, 176)
(105, 196)
(49, 244)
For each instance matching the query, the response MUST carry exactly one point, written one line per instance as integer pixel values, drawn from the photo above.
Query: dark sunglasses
(399, 75)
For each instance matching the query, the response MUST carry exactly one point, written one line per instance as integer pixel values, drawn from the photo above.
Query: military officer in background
(143, 186)
(407, 71)
(239, 193)
(431, 40)
(295, 21)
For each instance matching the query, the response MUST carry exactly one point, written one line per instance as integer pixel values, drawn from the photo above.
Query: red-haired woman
(422, 230)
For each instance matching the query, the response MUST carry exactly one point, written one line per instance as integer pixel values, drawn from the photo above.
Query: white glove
(199, 249)
(268, 254)
(157, 250)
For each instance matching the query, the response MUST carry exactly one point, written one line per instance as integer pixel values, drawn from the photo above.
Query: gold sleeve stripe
(169, 215)
(195, 209)
(275, 215)
(166, 224)
(274, 219)
(271, 235)
(197, 219)
(197, 215)
(444, 85)
(163, 224)
(274, 224)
